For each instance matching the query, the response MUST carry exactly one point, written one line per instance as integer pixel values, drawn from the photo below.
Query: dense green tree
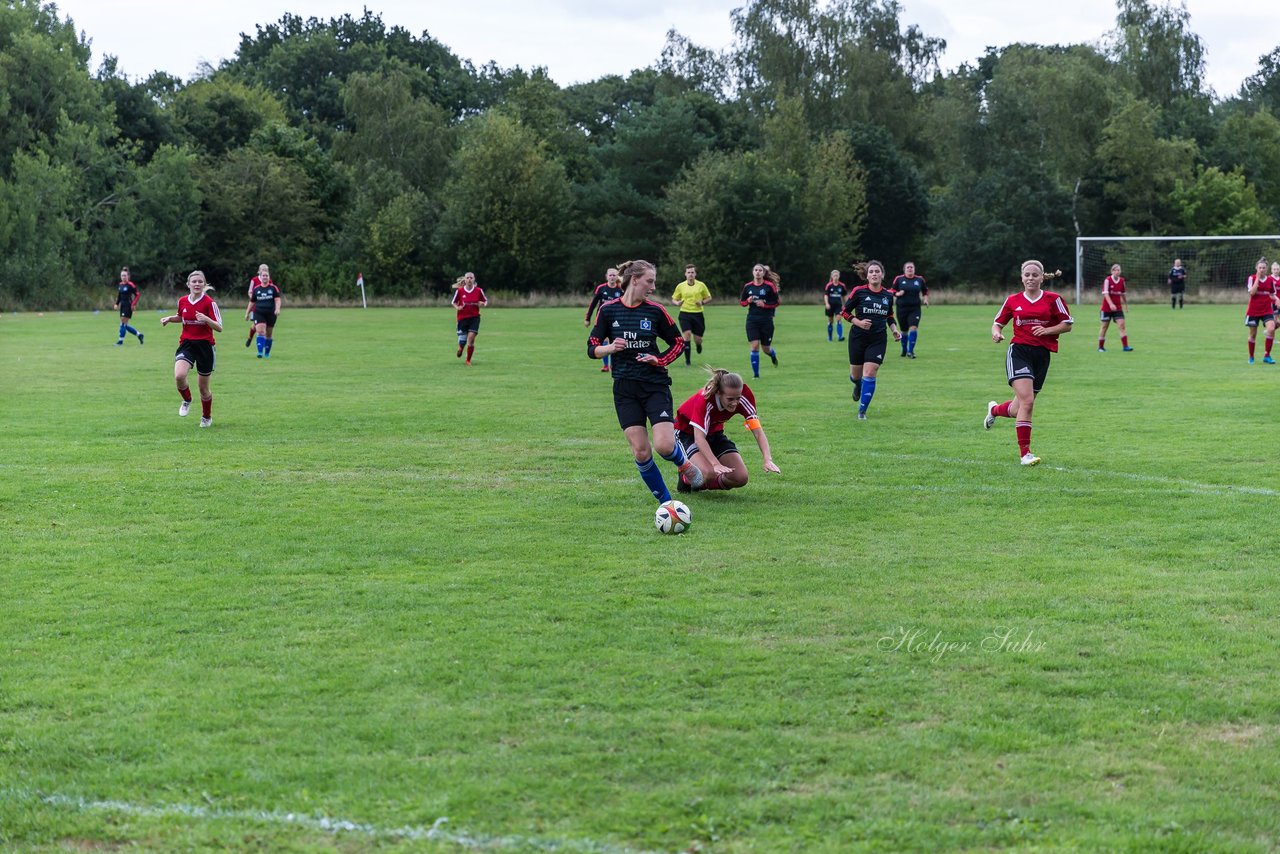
(1156, 51)
(506, 207)
(1141, 169)
(139, 114)
(216, 115)
(388, 128)
(1251, 143)
(1218, 202)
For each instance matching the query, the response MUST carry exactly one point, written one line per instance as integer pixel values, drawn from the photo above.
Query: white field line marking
(324, 824)
(1175, 482)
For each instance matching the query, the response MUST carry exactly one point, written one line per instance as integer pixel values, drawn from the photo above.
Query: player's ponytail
(1034, 263)
(629, 270)
(457, 284)
(772, 276)
(720, 379)
(861, 268)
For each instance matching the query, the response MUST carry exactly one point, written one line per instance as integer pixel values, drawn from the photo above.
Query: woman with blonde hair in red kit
(700, 424)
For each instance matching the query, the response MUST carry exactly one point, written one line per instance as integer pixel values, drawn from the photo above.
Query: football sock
(206, 406)
(857, 386)
(1024, 437)
(829, 330)
(755, 363)
(186, 393)
(676, 456)
(714, 483)
(1271, 339)
(911, 341)
(699, 346)
(904, 345)
(1251, 345)
(1124, 340)
(606, 361)
(123, 327)
(1173, 302)
(840, 330)
(688, 355)
(262, 345)
(652, 478)
(868, 389)
(471, 348)
(773, 355)
(130, 330)
(1102, 343)
(1001, 410)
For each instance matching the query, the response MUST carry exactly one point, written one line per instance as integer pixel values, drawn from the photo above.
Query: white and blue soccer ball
(673, 517)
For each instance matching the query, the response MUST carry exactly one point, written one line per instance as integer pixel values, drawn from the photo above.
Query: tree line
(825, 133)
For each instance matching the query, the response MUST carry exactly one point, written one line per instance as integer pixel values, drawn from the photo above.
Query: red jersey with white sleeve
(192, 329)
(468, 301)
(1113, 288)
(707, 416)
(1046, 310)
(1262, 301)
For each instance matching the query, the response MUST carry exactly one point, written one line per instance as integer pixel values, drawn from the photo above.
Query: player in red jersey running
(700, 424)
(1114, 303)
(1261, 310)
(126, 301)
(629, 329)
(1039, 317)
(468, 298)
(200, 318)
(609, 289)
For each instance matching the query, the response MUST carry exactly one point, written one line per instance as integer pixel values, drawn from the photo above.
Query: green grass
(386, 588)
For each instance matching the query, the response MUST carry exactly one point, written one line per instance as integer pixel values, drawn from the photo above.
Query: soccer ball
(673, 518)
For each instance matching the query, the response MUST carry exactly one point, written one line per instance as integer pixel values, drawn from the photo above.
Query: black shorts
(833, 309)
(197, 352)
(126, 311)
(693, 321)
(267, 317)
(1112, 315)
(867, 347)
(760, 329)
(718, 443)
(908, 316)
(1026, 361)
(1177, 287)
(637, 401)
(1258, 320)
(469, 324)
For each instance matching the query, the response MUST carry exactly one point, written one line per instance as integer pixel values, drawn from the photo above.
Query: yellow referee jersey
(688, 296)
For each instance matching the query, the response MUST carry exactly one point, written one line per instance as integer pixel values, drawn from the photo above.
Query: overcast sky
(580, 40)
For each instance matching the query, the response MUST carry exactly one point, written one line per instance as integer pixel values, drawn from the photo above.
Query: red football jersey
(468, 301)
(192, 329)
(707, 415)
(1047, 310)
(1114, 288)
(1262, 301)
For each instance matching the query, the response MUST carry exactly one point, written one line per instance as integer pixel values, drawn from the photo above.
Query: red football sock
(206, 406)
(1251, 343)
(1101, 342)
(714, 483)
(1270, 340)
(1024, 437)
(186, 393)
(470, 349)
(1124, 340)
(1001, 410)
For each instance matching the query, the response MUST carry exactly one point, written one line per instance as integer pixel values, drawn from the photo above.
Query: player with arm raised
(126, 301)
(200, 318)
(605, 291)
(263, 309)
(700, 424)
(1114, 303)
(629, 329)
(1039, 317)
(869, 311)
(833, 300)
(1261, 310)
(468, 298)
(760, 298)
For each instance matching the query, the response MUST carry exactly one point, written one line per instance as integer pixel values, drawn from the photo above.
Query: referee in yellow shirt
(691, 295)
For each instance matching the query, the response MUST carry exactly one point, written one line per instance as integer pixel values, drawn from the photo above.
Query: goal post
(1222, 262)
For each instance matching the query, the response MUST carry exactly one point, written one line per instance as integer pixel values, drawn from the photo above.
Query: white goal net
(1216, 266)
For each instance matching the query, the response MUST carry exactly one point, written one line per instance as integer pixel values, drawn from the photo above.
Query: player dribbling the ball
(1039, 317)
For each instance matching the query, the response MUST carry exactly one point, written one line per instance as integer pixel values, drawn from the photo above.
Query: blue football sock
(839, 330)
(868, 389)
(755, 363)
(652, 478)
(261, 344)
(123, 327)
(606, 361)
(676, 456)
(911, 341)
(828, 331)
(268, 344)
(130, 330)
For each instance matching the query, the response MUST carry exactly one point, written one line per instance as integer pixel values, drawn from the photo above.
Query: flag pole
(360, 281)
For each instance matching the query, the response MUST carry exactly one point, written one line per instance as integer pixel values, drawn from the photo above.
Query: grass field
(390, 602)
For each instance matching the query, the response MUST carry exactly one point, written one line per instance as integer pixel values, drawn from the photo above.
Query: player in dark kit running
(263, 309)
(609, 289)
(833, 298)
(629, 329)
(869, 311)
(1039, 317)
(200, 318)
(910, 294)
(700, 424)
(760, 297)
(126, 300)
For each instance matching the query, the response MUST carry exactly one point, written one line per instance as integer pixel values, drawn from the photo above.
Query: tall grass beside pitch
(388, 588)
